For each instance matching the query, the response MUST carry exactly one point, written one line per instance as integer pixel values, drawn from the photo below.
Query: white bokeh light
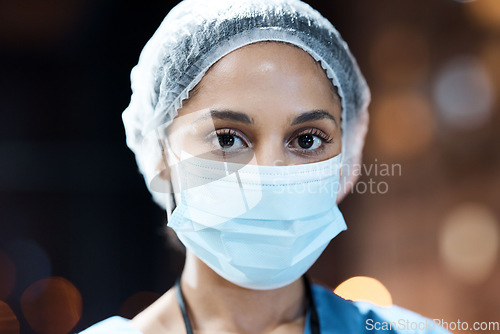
(469, 242)
(464, 94)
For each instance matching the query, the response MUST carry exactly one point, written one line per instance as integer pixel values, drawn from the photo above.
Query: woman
(246, 118)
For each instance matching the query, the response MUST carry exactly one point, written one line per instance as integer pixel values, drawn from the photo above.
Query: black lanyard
(314, 320)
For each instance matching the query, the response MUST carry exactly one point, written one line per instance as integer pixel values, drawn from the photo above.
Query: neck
(215, 304)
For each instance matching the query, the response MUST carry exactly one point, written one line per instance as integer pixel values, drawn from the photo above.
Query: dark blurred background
(81, 239)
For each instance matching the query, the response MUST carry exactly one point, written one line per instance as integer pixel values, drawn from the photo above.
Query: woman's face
(265, 103)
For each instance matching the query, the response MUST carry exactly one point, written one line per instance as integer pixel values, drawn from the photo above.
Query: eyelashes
(318, 133)
(304, 141)
(227, 140)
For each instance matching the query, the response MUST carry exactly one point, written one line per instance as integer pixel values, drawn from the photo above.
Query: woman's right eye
(227, 140)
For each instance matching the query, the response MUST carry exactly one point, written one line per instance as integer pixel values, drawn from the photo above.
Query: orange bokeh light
(486, 13)
(403, 124)
(8, 320)
(52, 306)
(361, 288)
(490, 56)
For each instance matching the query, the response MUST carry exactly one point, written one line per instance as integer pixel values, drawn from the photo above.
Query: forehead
(264, 75)
(288, 54)
(268, 56)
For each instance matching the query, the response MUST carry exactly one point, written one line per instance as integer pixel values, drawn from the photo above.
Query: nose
(271, 152)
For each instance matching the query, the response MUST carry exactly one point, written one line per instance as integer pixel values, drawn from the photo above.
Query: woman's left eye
(309, 141)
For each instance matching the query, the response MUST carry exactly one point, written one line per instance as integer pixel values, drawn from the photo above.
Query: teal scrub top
(336, 315)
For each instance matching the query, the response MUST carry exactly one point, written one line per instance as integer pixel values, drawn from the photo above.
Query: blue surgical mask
(259, 227)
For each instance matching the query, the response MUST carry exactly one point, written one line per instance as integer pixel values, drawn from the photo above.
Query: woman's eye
(228, 141)
(309, 142)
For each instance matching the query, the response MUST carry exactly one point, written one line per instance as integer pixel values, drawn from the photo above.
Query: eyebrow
(240, 117)
(314, 115)
(227, 115)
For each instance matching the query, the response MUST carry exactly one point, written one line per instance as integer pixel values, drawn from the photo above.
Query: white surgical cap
(197, 33)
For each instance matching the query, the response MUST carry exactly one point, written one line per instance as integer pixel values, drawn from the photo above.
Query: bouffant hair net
(197, 33)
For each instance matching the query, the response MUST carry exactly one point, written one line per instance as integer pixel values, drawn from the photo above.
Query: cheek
(335, 148)
(338, 135)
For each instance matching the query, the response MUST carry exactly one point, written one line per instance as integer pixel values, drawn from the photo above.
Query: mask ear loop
(343, 136)
(170, 198)
(343, 121)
